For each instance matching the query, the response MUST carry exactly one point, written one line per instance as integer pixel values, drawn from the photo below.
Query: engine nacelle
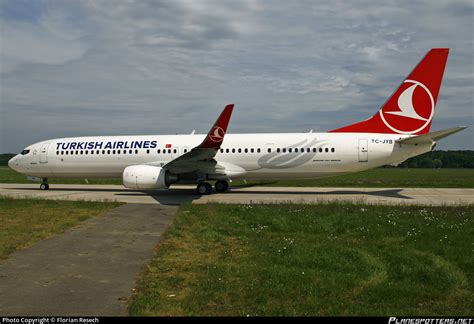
(147, 177)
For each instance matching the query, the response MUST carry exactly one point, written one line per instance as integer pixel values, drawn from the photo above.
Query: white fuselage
(242, 156)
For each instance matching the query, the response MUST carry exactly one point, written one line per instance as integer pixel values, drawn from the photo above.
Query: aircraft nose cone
(11, 163)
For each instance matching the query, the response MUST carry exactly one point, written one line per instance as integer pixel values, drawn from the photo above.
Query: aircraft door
(363, 150)
(44, 153)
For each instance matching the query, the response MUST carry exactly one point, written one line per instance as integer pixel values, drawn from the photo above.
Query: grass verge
(330, 259)
(23, 222)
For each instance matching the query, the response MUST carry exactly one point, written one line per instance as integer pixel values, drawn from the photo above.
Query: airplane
(399, 130)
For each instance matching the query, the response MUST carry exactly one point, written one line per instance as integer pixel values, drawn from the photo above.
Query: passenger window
(314, 150)
(290, 150)
(284, 150)
(233, 150)
(57, 152)
(136, 151)
(320, 150)
(246, 150)
(185, 150)
(62, 152)
(269, 150)
(252, 150)
(67, 152)
(87, 152)
(258, 150)
(240, 150)
(227, 150)
(169, 151)
(326, 150)
(158, 151)
(333, 150)
(147, 151)
(296, 150)
(92, 152)
(278, 150)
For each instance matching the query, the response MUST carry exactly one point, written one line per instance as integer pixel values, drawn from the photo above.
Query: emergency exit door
(363, 150)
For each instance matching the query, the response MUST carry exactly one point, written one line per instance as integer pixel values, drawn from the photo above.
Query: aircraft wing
(430, 137)
(201, 157)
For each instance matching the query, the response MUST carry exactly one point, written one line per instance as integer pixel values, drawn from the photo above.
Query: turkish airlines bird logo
(217, 134)
(411, 111)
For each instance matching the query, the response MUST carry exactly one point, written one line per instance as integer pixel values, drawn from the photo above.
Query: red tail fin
(410, 109)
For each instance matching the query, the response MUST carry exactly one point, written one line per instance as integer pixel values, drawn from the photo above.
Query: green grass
(381, 177)
(23, 222)
(333, 259)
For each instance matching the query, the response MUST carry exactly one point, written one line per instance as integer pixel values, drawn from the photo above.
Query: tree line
(441, 159)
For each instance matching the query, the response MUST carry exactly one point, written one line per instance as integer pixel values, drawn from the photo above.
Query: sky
(79, 68)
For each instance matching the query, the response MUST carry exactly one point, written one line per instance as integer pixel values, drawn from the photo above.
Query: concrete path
(91, 269)
(182, 194)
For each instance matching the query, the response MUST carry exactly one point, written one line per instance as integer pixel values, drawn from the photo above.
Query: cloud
(156, 67)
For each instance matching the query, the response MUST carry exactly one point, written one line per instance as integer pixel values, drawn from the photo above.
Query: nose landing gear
(44, 185)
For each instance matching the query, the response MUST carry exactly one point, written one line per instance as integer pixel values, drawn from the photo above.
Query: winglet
(215, 137)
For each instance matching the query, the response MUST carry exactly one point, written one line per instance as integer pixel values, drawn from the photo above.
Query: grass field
(381, 177)
(23, 222)
(333, 259)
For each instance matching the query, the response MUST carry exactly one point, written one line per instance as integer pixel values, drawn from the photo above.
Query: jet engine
(147, 177)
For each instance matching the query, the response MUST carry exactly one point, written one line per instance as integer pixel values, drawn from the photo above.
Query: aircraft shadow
(170, 197)
(390, 193)
(181, 196)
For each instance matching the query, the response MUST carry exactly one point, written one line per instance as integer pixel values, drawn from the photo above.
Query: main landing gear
(221, 186)
(205, 188)
(44, 184)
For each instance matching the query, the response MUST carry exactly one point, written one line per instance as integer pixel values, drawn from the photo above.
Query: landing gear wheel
(204, 188)
(44, 186)
(221, 186)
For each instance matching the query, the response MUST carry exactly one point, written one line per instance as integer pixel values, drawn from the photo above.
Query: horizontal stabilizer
(430, 137)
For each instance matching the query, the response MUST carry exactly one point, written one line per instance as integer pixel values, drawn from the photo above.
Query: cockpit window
(24, 152)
